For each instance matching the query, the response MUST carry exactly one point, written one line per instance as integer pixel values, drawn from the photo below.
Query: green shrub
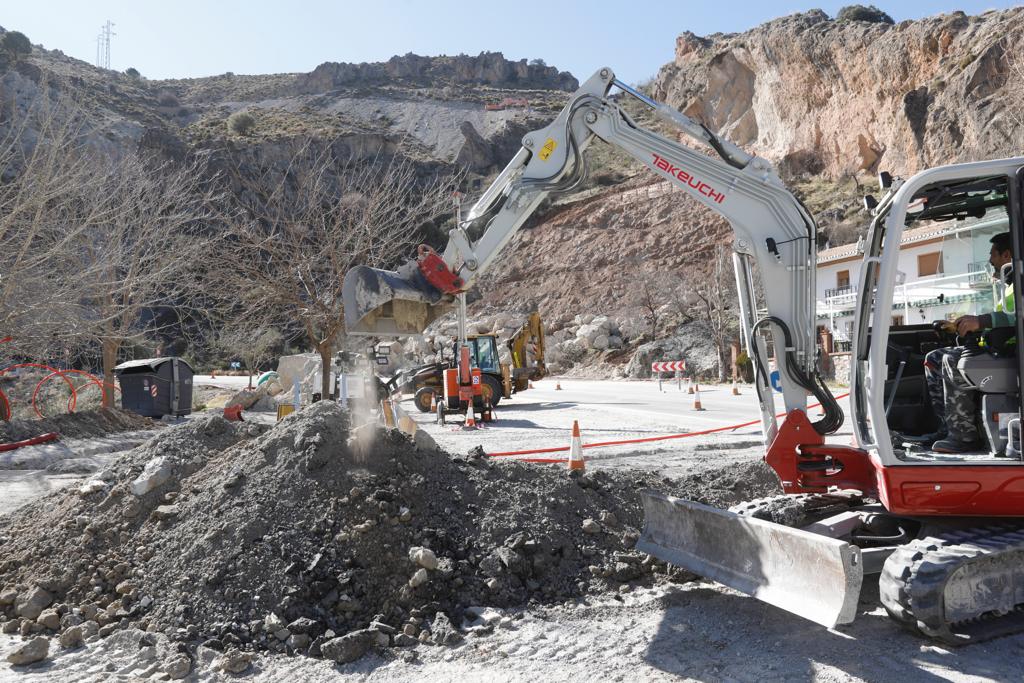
(16, 45)
(132, 72)
(241, 123)
(861, 13)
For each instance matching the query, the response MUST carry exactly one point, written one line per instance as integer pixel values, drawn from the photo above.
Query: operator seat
(993, 371)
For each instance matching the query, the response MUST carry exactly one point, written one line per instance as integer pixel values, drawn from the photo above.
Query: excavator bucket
(389, 303)
(813, 576)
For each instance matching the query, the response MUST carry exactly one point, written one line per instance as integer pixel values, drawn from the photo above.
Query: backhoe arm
(775, 236)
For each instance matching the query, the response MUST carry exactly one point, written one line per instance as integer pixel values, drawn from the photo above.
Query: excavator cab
(944, 532)
(483, 351)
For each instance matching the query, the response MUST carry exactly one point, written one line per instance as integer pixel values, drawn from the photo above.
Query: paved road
(617, 410)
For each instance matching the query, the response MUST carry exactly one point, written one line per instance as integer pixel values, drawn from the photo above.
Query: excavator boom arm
(775, 236)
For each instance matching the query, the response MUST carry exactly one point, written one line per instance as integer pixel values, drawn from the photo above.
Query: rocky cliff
(487, 68)
(847, 96)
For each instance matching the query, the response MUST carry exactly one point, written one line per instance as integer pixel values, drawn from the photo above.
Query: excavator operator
(953, 398)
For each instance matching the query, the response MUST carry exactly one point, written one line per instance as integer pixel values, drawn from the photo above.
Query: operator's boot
(925, 440)
(954, 445)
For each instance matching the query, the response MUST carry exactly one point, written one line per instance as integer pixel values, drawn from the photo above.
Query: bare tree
(253, 341)
(44, 166)
(306, 221)
(710, 297)
(136, 266)
(650, 303)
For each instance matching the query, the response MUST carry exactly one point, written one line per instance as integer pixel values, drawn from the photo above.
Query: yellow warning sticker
(547, 149)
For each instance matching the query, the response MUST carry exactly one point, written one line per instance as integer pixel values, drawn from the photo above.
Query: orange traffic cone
(696, 399)
(576, 449)
(470, 422)
(689, 387)
(735, 389)
(213, 374)
(433, 401)
(558, 386)
(531, 385)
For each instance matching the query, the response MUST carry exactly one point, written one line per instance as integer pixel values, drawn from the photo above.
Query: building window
(843, 278)
(897, 320)
(929, 264)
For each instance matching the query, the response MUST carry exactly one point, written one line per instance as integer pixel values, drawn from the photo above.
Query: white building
(944, 271)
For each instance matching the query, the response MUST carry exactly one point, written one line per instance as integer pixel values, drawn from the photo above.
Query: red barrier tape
(559, 449)
(74, 393)
(42, 438)
(73, 399)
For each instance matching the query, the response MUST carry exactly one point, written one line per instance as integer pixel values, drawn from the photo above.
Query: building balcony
(840, 291)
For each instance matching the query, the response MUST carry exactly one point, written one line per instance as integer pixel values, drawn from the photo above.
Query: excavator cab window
(485, 353)
(954, 223)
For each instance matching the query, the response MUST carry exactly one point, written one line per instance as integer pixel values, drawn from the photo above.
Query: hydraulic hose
(833, 418)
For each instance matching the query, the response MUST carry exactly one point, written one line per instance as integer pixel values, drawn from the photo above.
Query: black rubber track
(913, 582)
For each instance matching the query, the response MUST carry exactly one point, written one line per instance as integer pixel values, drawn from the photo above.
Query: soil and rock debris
(314, 538)
(89, 423)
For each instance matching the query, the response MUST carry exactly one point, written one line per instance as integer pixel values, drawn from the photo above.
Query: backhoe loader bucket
(385, 303)
(813, 576)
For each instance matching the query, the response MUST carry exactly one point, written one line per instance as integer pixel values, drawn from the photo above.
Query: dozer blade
(388, 303)
(813, 576)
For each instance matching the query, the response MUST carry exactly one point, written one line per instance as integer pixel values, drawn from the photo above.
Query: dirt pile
(84, 424)
(315, 540)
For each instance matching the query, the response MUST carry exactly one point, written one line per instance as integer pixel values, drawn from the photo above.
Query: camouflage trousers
(954, 400)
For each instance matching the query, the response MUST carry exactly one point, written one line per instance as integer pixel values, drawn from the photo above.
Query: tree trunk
(325, 369)
(110, 348)
(723, 363)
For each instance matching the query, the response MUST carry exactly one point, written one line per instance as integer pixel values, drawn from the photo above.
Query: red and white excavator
(944, 532)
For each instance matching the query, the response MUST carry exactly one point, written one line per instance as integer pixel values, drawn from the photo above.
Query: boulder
(49, 619)
(32, 604)
(424, 557)
(35, 650)
(72, 637)
(156, 472)
(302, 367)
(349, 647)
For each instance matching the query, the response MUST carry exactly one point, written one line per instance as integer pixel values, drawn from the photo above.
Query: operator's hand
(966, 324)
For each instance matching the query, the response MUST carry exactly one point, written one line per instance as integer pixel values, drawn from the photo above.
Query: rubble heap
(316, 539)
(83, 424)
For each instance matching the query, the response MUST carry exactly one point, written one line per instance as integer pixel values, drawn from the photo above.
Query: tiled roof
(908, 237)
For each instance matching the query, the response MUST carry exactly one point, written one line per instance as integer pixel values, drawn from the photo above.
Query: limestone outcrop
(848, 96)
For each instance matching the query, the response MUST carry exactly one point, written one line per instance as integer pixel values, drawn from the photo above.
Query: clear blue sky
(188, 38)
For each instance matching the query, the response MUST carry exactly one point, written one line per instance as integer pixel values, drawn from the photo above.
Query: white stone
(600, 342)
(419, 578)
(424, 557)
(91, 487)
(155, 473)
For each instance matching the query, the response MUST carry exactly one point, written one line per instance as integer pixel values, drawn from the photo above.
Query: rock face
(593, 255)
(844, 96)
(487, 68)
